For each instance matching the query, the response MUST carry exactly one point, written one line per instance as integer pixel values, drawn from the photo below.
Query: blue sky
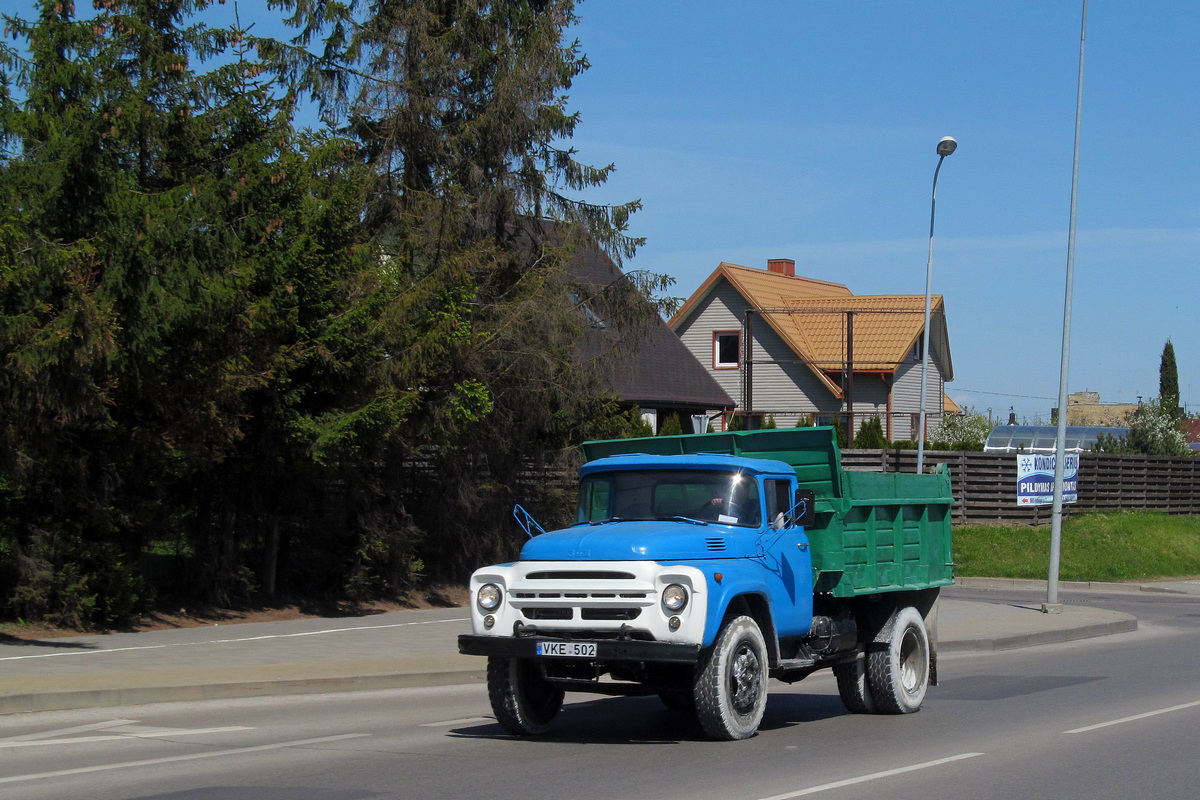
(807, 130)
(756, 129)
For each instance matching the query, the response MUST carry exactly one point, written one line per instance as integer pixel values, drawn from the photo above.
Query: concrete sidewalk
(404, 649)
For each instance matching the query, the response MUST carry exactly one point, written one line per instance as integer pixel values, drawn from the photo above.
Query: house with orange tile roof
(788, 346)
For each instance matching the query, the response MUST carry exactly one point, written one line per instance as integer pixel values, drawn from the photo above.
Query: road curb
(1070, 586)
(1125, 624)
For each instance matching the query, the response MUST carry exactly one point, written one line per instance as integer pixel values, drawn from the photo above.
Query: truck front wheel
(524, 702)
(731, 681)
(898, 668)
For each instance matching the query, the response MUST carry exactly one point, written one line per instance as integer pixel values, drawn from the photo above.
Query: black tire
(852, 686)
(731, 681)
(523, 701)
(898, 667)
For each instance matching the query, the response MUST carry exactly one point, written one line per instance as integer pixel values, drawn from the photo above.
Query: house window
(727, 349)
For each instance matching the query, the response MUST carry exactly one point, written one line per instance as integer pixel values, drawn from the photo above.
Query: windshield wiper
(692, 520)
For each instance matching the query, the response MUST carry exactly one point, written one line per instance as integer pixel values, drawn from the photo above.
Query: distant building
(1191, 430)
(1085, 408)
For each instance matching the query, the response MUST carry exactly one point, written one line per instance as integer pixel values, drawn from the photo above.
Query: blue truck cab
(690, 575)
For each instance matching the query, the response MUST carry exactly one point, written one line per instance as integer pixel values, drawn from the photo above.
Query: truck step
(788, 664)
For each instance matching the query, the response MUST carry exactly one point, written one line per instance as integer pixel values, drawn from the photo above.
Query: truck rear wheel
(898, 669)
(852, 686)
(524, 702)
(731, 681)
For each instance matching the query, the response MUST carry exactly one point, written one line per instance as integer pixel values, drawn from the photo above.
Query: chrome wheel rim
(745, 679)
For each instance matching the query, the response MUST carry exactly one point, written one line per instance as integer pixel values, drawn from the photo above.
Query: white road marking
(234, 641)
(872, 777)
(447, 723)
(172, 759)
(1134, 718)
(95, 726)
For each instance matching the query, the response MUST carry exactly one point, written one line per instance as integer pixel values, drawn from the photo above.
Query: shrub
(671, 427)
(71, 583)
(1153, 431)
(635, 426)
(968, 427)
(839, 430)
(870, 435)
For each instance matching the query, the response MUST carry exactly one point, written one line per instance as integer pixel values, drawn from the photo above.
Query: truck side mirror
(526, 521)
(804, 512)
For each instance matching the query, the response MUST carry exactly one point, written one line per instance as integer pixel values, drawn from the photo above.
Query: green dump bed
(874, 532)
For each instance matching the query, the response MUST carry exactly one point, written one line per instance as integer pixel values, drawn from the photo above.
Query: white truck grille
(599, 599)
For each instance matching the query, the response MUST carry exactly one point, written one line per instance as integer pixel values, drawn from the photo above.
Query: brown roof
(885, 329)
(771, 287)
(810, 316)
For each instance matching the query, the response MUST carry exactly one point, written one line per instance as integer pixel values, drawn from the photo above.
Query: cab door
(787, 557)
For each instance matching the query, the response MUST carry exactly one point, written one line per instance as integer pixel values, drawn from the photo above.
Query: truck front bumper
(607, 650)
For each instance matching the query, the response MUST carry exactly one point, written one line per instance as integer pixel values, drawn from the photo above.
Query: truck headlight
(674, 598)
(489, 596)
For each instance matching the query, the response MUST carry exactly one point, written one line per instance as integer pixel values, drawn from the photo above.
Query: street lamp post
(1052, 606)
(944, 148)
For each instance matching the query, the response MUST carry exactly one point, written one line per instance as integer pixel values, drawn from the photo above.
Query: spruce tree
(460, 111)
(184, 307)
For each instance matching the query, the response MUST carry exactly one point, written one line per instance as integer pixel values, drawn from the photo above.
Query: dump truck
(700, 566)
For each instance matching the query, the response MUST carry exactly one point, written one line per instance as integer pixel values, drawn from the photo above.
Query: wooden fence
(985, 484)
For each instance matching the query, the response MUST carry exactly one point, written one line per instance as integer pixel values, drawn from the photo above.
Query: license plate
(566, 649)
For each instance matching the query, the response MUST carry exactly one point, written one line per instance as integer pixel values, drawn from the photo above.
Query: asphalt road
(1114, 717)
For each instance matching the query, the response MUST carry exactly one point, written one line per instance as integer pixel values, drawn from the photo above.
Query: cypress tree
(1168, 381)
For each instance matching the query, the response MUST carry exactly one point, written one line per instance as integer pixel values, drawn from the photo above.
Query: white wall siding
(782, 383)
(722, 310)
(906, 397)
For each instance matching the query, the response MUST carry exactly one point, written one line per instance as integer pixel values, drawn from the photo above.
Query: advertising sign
(1035, 479)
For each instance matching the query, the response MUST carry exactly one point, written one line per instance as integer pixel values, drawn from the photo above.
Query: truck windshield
(727, 498)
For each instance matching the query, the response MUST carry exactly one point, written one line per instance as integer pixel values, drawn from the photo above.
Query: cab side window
(779, 497)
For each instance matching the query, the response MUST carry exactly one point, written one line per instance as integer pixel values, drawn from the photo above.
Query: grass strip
(1123, 546)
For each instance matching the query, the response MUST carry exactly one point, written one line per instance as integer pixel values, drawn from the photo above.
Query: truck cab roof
(718, 461)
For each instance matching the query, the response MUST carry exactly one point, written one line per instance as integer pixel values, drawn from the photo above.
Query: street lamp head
(946, 146)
